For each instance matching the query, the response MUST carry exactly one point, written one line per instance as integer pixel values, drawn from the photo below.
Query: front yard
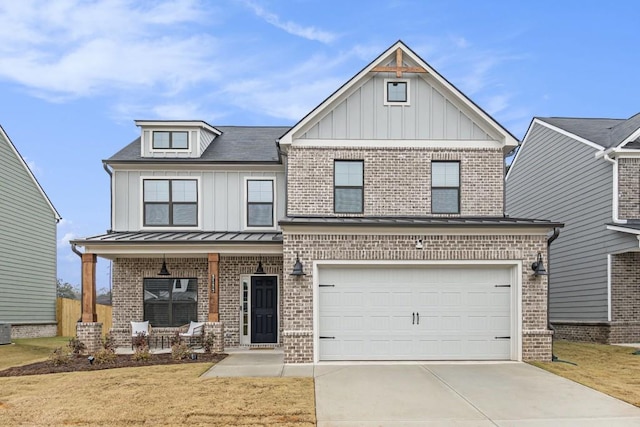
(613, 370)
(155, 395)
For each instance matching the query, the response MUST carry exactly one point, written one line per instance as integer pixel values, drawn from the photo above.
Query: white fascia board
(508, 139)
(623, 229)
(417, 230)
(401, 143)
(624, 153)
(150, 250)
(177, 124)
(31, 175)
(635, 135)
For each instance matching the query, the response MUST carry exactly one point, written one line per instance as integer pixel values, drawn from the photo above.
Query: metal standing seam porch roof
(429, 222)
(177, 237)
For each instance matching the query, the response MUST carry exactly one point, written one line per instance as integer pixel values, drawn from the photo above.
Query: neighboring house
(586, 173)
(27, 248)
(373, 229)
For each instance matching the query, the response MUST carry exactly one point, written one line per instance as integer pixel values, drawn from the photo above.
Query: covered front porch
(229, 281)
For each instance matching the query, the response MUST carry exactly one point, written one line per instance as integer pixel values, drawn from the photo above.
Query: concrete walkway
(257, 363)
(438, 394)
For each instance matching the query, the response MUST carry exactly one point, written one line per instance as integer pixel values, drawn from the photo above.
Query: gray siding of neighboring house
(558, 178)
(222, 204)
(429, 115)
(27, 245)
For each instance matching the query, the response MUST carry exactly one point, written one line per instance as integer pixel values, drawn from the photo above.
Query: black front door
(264, 309)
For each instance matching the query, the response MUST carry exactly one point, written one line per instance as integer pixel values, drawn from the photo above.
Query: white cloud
(309, 33)
(34, 168)
(63, 242)
(72, 48)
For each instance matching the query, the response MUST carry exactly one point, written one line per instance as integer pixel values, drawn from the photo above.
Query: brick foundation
(217, 329)
(297, 298)
(34, 331)
(90, 334)
(598, 332)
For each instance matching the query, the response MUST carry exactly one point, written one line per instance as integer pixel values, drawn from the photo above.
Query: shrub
(59, 357)
(76, 346)
(141, 353)
(109, 343)
(180, 351)
(140, 341)
(103, 356)
(176, 339)
(207, 342)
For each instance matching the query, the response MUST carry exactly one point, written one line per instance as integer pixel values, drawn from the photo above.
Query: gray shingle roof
(420, 221)
(604, 132)
(236, 144)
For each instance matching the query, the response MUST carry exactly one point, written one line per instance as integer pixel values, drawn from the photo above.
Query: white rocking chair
(194, 333)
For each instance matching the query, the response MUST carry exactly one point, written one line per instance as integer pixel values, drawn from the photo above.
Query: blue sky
(74, 74)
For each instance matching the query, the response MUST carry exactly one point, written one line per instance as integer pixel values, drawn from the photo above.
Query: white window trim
(245, 202)
(189, 148)
(174, 178)
(407, 81)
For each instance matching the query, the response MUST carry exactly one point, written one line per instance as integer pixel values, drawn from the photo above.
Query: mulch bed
(122, 361)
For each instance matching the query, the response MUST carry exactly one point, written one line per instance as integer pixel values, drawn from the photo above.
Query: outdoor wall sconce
(91, 359)
(259, 270)
(538, 266)
(419, 244)
(163, 269)
(297, 268)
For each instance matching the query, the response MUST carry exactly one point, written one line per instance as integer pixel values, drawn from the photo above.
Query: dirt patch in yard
(81, 363)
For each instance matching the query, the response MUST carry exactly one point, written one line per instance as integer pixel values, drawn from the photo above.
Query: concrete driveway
(501, 394)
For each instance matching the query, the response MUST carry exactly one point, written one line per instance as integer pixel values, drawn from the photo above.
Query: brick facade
(397, 181)
(629, 188)
(34, 330)
(127, 292)
(297, 298)
(90, 333)
(231, 268)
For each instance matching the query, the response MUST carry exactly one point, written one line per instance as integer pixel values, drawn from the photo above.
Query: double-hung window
(260, 203)
(348, 190)
(170, 302)
(445, 187)
(170, 202)
(170, 140)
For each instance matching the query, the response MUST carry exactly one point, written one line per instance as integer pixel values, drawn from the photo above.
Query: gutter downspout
(614, 212)
(286, 177)
(554, 236)
(106, 168)
(77, 252)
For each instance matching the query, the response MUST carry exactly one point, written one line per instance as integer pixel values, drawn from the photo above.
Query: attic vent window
(165, 140)
(396, 92)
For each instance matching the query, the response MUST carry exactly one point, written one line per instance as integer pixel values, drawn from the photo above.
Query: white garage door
(414, 313)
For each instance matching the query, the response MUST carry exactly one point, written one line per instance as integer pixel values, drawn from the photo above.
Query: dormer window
(170, 140)
(396, 92)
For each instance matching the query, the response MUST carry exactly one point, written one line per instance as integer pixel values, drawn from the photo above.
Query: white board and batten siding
(430, 115)
(27, 244)
(221, 195)
(560, 179)
(417, 312)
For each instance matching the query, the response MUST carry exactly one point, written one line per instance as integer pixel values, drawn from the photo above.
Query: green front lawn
(28, 350)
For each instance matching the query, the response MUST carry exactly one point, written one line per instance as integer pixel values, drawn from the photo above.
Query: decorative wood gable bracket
(398, 69)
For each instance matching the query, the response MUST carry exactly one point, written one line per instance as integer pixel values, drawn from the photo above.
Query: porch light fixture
(163, 269)
(297, 268)
(538, 267)
(91, 359)
(259, 270)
